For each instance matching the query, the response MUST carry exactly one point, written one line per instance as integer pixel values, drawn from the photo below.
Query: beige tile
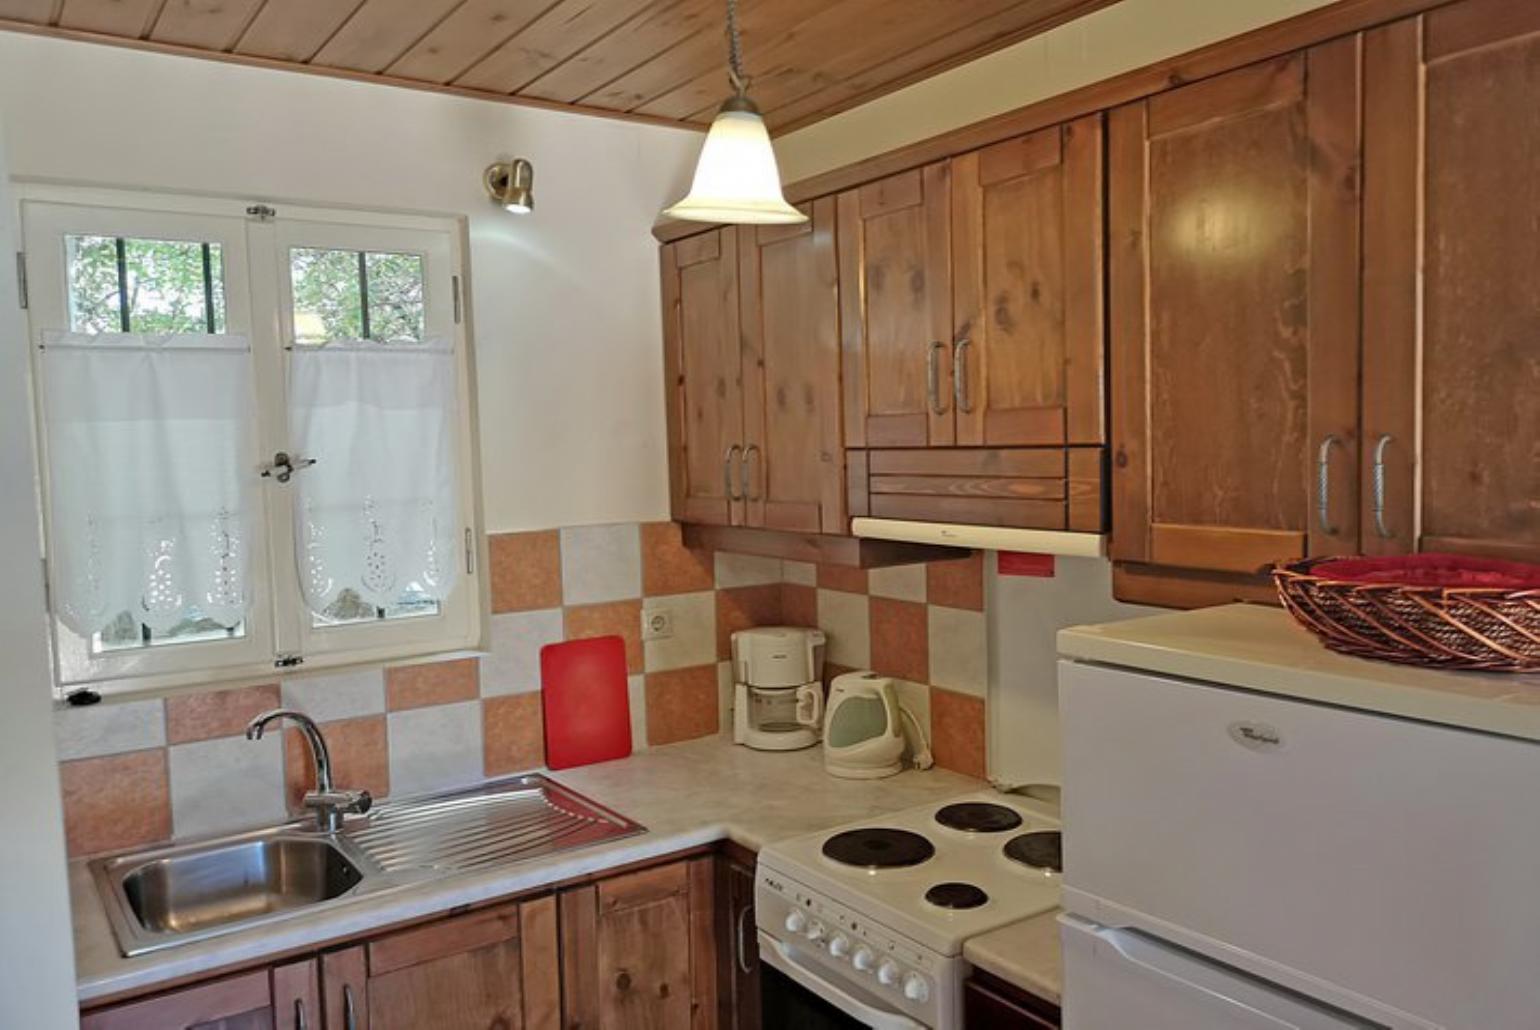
(694, 641)
(802, 573)
(900, 582)
(682, 704)
(513, 734)
(668, 567)
(899, 639)
(526, 570)
(219, 713)
(744, 608)
(513, 666)
(622, 619)
(601, 563)
(226, 784)
(91, 731)
(745, 570)
(846, 619)
(360, 759)
(636, 698)
(337, 695)
(434, 748)
(116, 801)
(434, 683)
(959, 650)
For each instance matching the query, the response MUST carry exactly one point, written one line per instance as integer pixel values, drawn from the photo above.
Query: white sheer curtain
(377, 514)
(150, 466)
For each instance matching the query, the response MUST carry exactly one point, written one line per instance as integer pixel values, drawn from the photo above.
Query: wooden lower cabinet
(738, 1002)
(990, 1003)
(241, 1002)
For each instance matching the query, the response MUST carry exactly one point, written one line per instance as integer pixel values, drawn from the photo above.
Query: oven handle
(781, 957)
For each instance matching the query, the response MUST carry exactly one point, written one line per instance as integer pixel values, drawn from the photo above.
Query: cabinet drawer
(1058, 488)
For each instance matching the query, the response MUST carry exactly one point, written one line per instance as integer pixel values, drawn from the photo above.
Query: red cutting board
(587, 712)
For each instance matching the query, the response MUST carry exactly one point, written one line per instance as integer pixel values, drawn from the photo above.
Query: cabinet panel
(791, 370)
(297, 996)
(704, 375)
(738, 949)
(1235, 315)
(242, 1002)
(895, 306)
(345, 989)
(459, 973)
(1452, 368)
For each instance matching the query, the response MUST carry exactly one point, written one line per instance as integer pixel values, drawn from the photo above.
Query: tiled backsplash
(141, 772)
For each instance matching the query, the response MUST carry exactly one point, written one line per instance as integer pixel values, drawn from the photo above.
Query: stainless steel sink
(188, 892)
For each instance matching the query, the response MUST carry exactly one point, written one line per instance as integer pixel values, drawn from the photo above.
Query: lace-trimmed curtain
(377, 514)
(150, 465)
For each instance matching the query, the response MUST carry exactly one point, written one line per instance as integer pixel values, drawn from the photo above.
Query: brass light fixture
(512, 184)
(736, 179)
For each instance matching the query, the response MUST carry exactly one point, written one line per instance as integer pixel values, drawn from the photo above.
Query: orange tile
(742, 608)
(957, 731)
(830, 671)
(842, 577)
(681, 704)
(900, 639)
(526, 570)
(438, 683)
(799, 605)
(118, 801)
(956, 584)
(360, 758)
(668, 567)
(513, 734)
(622, 619)
(219, 713)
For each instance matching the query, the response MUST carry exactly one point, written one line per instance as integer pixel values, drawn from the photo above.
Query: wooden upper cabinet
(1234, 315)
(704, 376)
(896, 310)
(1452, 302)
(793, 457)
(1027, 285)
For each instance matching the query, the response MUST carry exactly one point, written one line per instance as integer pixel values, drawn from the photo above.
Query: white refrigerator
(1237, 859)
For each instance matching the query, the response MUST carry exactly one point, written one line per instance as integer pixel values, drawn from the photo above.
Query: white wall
(37, 956)
(1128, 35)
(565, 301)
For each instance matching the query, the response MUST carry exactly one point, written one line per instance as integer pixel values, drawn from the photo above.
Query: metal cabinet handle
(741, 954)
(933, 377)
(1323, 485)
(960, 375)
(299, 1014)
(744, 479)
(1379, 487)
(349, 1014)
(727, 471)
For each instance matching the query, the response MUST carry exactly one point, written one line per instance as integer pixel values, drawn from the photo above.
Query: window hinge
(288, 661)
(470, 552)
(456, 280)
(21, 279)
(261, 212)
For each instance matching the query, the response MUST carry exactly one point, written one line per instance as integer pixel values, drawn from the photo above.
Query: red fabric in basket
(1433, 570)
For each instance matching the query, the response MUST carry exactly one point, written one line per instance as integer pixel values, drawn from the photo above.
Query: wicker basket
(1494, 628)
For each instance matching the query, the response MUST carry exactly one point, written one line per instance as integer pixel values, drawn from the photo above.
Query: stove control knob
(863, 960)
(839, 945)
(815, 932)
(915, 987)
(795, 921)
(887, 973)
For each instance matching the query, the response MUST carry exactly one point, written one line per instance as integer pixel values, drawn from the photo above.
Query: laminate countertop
(686, 795)
(1025, 953)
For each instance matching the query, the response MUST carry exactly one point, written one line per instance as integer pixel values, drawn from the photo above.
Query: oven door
(794, 993)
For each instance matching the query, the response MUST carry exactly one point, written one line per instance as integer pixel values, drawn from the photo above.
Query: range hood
(985, 538)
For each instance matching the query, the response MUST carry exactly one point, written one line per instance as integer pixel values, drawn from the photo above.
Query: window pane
(395, 296)
(350, 608)
(93, 283)
(165, 286)
(126, 633)
(328, 297)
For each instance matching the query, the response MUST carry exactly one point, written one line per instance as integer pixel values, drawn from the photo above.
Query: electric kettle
(863, 738)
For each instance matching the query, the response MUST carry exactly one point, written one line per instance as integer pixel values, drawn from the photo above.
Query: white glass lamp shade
(736, 180)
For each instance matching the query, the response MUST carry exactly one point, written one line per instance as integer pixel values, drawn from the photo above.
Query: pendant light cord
(740, 82)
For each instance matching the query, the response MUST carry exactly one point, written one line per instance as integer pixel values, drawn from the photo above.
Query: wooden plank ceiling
(654, 59)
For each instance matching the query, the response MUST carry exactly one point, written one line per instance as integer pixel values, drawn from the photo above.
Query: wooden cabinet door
(1027, 286)
(789, 298)
(464, 973)
(1234, 309)
(297, 996)
(1451, 299)
(243, 1002)
(895, 310)
(703, 368)
(345, 988)
(638, 952)
(738, 948)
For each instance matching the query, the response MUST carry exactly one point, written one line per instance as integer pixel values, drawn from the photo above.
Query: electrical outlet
(657, 623)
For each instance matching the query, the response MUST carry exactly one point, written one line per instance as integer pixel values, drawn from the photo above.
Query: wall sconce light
(512, 184)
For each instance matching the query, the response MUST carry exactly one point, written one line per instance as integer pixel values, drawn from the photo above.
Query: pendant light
(736, 179)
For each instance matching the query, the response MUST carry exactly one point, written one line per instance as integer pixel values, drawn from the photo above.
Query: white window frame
(255, 251)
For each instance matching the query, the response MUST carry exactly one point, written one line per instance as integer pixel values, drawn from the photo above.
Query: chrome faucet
(330, 803)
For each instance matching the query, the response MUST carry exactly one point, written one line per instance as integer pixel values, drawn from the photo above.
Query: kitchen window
(256, 438)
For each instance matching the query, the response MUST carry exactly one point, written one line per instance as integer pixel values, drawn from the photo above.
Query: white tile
(900, 582)
(434, 747)
(959, 650)
(745, 570)
(513, 666)
(802, 573)
(847, 620)
(337, 695)
(108, 729)
(725, 696)
(636, 697)
(601, 563)
(695, 632)
(225, 784)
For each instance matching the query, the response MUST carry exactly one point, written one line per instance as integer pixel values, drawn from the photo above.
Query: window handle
(283, 467)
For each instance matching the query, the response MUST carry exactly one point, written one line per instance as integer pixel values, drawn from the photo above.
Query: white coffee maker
(777, 687)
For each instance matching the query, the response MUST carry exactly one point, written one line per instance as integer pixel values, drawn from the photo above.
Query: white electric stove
(871, 917)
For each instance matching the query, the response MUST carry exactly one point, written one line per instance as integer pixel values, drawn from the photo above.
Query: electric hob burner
(877, 847)
(978, 817)
(956, 895)
(1041, 849)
